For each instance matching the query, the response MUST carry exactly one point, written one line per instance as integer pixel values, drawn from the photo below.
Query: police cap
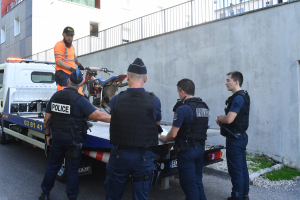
(137, 67)
(76, 77)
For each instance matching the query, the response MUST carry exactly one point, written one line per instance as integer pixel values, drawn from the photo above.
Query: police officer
(65, 59)
(135, 114)
(189, 128)
(233, 126)
(65, 115)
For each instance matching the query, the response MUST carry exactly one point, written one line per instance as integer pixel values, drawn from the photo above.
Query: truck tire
(62, 174)
(3, 139)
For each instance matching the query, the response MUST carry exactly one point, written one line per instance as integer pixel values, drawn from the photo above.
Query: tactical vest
(132, 123)
(195, 130)
(241, 122)
(64, 123)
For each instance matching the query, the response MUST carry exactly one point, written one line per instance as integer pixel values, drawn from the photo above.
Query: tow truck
(26, 86)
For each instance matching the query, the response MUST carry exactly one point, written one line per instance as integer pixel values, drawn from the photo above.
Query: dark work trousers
(58, 152)
(237, 165)
(130, 162)
(190, 164)
(62, 82)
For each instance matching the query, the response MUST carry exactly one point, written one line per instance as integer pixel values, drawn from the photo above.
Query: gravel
(259, 181)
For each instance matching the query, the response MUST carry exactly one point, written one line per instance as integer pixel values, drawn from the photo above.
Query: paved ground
(22, 170)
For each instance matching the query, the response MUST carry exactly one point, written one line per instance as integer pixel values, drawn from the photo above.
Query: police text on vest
(60, 108)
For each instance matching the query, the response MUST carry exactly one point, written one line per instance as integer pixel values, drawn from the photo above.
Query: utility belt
(65, 134)
(228, 133)
(138, 148)
(237, 134)
(120, 147)
(185, 144)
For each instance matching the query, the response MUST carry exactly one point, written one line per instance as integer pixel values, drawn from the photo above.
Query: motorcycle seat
(121, 77)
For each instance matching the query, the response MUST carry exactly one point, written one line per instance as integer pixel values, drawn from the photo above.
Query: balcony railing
(181, 16)
(12, 4)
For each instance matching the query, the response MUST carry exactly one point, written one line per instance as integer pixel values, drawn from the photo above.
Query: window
(126, 4)
(126, 33)
(240, 10)
(91, 3)
(1, 77)
(17, 26)
(222, 15)
(3, 34)
(231, 13)
(42, 77)
(187, 20)
(94, 29)
(269, 3)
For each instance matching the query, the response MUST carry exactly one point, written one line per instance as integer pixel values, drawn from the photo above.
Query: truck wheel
(3, 139)
(62, 174)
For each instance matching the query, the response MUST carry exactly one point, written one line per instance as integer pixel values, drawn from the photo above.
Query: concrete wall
(19, 45)
(263, 45)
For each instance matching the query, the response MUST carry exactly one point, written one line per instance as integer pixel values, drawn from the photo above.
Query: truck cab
(26, 86)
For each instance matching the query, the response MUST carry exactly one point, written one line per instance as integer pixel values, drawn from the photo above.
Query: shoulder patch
(175, 116)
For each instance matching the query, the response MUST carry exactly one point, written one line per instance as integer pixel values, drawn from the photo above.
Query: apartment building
(227, 8)
(31, 26)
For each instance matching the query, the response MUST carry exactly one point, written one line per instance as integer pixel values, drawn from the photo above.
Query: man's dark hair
(186, 85)
(236, 76)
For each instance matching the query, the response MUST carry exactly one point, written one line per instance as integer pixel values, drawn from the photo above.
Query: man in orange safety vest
(65, 59)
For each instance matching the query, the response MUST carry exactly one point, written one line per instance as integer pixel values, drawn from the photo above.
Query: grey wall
(21, 45)
(263, 45)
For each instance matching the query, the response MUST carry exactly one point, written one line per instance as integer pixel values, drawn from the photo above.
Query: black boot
(44, 196)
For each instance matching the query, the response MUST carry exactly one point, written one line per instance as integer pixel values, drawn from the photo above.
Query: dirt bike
(99, 89)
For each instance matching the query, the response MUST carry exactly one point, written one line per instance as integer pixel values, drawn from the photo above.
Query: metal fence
(184, 15)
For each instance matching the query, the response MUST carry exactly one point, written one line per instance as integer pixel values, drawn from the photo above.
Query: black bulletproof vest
(241, 122)
(132, 123)
(196, 130)
(63, 120)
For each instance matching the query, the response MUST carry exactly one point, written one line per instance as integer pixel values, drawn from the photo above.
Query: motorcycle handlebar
(98, 69)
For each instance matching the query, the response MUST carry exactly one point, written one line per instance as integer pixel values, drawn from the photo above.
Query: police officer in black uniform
(189, 128)
(233, 125)
(65, 116)
(135, 114)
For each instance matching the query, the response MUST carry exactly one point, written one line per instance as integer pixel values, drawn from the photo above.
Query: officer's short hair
(236, 76)
(137, 76)
(186, 85)
(73, 84)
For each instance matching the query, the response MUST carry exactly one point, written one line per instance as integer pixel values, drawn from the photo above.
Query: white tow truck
(25, 88)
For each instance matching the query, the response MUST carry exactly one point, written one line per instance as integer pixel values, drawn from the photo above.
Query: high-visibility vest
(67, 55)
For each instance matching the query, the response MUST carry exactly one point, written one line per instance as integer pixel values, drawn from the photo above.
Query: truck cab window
(1, 77)
(42, 77)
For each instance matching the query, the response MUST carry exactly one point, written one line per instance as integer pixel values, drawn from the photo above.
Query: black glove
(71, 69)
(159, 129)
(80, 67)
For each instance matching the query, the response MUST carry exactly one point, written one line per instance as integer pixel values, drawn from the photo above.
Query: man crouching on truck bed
(65, 115)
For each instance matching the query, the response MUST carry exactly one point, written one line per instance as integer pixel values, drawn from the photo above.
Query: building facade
(32, 26)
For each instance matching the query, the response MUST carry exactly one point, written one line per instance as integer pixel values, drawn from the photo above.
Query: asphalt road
(22, 170)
